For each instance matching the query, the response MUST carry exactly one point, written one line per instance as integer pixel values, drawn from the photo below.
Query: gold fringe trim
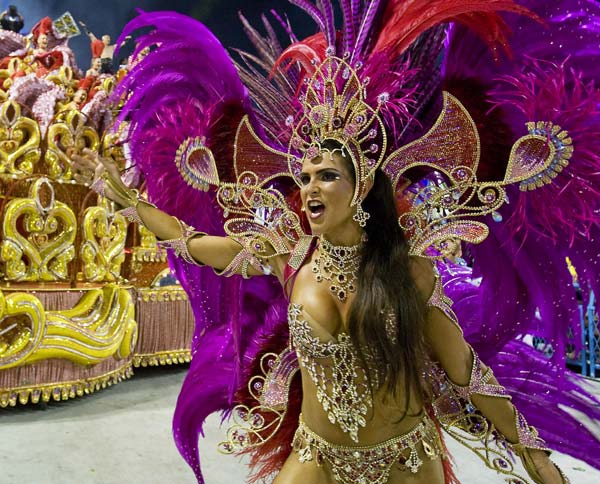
(162, 358)
(152, 254)
(167, 293)
(64, 390)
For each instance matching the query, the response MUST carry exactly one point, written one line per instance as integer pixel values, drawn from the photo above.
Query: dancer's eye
(304, 179)
(329, 176)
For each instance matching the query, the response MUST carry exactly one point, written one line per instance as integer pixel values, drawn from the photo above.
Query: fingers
(112, 168)
(83, 179)
(81, 162)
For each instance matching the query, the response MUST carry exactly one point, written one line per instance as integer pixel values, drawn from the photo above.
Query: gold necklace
(339, 266)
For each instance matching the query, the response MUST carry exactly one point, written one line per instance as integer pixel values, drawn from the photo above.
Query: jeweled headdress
(334, 108)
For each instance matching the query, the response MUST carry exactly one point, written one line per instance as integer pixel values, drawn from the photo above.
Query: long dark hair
(386, 287)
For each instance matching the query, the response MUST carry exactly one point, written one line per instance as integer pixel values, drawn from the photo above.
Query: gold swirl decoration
(63, 77)
(44, 249)
(6, 75)
(103, 247)
(70, 135)
(19, 141)
(101, 325)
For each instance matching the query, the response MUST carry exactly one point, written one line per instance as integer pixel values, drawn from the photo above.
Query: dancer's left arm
(474, 381)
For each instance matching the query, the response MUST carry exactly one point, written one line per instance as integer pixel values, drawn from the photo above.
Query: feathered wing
(187, 88)
(549, 77)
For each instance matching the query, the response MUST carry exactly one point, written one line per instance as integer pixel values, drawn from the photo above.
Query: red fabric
(86, 83)
(47, 62)
(97, 46)
(44, 26)
(405, 20)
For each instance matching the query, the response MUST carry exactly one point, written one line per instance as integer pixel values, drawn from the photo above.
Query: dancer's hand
(91, 169)
(545, 467)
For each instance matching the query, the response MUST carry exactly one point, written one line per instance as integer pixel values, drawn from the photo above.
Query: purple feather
(355, 12)
(365, 31)
(311, 10)
(285, 24)
(327, 10)
(543, 91)
(348, 25)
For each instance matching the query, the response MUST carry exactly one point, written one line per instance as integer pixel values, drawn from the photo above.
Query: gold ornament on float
(39, 233)
(7, 75)
(19, 141)
(63, 78)
(103, 247)
(65, 138)
(101, 325)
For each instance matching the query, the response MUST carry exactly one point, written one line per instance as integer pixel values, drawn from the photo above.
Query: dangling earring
(361, 216)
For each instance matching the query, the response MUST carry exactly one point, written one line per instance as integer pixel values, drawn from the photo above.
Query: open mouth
(315, 209)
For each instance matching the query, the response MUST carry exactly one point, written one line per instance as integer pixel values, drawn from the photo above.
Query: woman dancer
(380, 355)
(365, 320)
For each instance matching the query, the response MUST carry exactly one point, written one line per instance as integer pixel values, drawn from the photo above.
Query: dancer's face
(327, 190)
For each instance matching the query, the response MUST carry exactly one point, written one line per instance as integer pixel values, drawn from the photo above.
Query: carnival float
(85, 296)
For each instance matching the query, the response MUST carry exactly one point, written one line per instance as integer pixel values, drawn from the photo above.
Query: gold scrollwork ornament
(69, 136)
(103, 248)
(100, 326)
(19, 141)
(42, 249)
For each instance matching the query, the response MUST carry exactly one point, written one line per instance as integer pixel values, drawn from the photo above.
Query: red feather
(303, 52)
(404, 21)
(268, 458)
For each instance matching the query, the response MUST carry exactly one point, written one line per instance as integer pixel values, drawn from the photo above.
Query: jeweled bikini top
(335, 369)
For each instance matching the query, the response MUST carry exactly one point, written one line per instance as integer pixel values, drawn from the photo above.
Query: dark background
(109, 17)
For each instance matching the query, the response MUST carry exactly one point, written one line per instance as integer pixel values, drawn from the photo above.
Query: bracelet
(180, 244)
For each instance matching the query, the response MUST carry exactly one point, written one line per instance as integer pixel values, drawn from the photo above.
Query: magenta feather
(349, 38)
(327, 11)
(545, 91)
(285, 24)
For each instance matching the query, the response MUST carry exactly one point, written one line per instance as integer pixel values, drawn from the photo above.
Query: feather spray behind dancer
(338, 114)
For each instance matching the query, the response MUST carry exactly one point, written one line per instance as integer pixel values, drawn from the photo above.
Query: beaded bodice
(335, 369)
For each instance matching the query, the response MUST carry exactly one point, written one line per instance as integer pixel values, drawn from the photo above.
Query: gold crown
(334, 107)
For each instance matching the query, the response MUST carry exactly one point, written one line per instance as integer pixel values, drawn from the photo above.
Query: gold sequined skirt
(370, 464)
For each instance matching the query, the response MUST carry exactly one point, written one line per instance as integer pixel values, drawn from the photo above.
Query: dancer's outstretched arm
(224, 254)
(476, 383)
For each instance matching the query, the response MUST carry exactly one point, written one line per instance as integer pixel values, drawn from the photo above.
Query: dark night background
(109, 17)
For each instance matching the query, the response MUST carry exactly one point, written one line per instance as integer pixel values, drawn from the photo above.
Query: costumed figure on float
(308, 163)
